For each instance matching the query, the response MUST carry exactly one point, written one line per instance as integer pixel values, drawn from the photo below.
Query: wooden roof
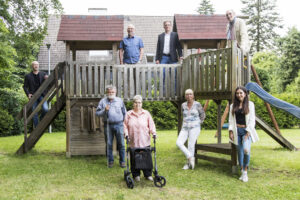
(91, 28)
(200, 31)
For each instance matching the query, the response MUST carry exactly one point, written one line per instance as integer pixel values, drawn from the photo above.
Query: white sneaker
(241, 177)
(192, 162)
(245, 177)
(186, 166)
(137, 179)
(149, 178)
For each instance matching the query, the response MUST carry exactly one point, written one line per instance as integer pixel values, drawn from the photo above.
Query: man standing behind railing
(131, 47)
(237, 30)
(32, 82)
(168, 46)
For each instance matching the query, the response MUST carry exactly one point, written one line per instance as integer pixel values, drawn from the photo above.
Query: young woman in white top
(242, 128)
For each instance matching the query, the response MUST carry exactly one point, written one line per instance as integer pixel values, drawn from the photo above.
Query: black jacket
(29, 83)
(174, 46)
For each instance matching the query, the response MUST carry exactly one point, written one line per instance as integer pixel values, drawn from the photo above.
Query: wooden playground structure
(79, 86)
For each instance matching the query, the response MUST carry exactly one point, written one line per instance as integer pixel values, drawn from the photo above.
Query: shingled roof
(91, 28)
(200, 31)
(196, 27)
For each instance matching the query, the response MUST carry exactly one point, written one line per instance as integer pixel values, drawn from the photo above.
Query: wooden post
(68, 52)
(233, 69)
(219, 127)
(68, 127)
(267, 105)
(73, 54)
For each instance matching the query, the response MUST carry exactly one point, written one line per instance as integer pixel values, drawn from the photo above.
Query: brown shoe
(110, 164)
(123, 165)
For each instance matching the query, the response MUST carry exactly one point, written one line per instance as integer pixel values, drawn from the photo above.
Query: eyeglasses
(137, 102)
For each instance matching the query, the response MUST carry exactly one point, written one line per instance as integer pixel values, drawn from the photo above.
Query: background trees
(205, 8)
(263, 23)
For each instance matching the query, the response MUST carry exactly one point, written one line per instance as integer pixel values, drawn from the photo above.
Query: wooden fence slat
(149, 75)
(78, 79)
(167, 81)
(155, 81)
(143, 83)
(114, 76)
(71, 79)
(90, 80)
(83, 82)
(223, 74)
(119, 80)
(125, 82)
(202, 76)
(229, 69)
(198, 74)
(131, 82)
(96, 80)
(195, 73)
(102, 87)
(107, 75)
(179, 82)
(138, 80)
(161, 86)
(207, 72)
(173, 82)
(212, 72)
(218, 71)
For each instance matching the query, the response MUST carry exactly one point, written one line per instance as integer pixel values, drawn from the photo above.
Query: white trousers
(191, 135)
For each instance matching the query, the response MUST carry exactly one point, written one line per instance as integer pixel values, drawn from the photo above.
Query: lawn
(46, 173)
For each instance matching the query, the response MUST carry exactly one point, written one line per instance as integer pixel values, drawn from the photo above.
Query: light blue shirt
(131, 47)
(116, 112)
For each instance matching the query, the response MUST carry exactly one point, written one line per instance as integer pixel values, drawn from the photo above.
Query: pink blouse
(139, 127)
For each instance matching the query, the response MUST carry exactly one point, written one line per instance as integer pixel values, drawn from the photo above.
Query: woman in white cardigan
(242, 128)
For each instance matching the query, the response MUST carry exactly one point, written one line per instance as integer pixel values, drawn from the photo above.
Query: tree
(23, 26)
(289, 47)
(205, 8)
(262, 23)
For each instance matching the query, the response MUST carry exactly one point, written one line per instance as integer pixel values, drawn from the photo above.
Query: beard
(110, 97)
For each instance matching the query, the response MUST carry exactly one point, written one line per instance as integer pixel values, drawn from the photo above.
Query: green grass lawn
(46, 173)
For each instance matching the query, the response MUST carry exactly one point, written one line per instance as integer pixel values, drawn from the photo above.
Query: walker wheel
(129, 182)
(159, 181)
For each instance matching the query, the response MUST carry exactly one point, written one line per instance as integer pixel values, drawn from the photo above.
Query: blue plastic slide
(261, 93)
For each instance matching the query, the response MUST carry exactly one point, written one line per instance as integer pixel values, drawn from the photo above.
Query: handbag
(143, 159)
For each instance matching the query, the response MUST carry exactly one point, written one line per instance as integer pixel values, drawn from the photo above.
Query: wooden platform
(222, 148)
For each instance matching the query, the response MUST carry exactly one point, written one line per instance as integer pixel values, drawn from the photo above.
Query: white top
(250, 123)
(167, 43)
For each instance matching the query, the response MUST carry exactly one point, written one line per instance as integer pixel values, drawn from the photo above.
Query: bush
(11, 102)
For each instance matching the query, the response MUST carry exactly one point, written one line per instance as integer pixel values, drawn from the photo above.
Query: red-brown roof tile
(193, 27)
(91, 28)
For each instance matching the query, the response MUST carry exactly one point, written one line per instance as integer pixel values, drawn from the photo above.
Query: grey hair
(189, 90)
(167, 21)
(231, 10)
(110, 87)
(137, 97)
(131, 26)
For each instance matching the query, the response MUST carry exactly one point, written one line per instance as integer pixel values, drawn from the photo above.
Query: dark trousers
(137, 172)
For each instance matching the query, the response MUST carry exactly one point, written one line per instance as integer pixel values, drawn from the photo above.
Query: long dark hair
(236, 102)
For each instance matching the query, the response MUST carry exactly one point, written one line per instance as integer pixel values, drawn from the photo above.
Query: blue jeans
(115, 130)
(244, 146)
(44, 110)
(167, 60)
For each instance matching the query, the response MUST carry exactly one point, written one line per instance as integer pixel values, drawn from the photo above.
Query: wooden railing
(215, 74)
(54, 85)
(88, 80)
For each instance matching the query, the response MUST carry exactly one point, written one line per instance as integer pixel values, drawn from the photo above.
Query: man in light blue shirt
(131, 48)
(113, 111)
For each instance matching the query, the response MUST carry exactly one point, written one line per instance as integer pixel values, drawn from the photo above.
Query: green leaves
(205, 8)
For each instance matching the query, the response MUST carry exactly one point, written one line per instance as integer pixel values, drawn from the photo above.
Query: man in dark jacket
(168, 46)
(32, 82)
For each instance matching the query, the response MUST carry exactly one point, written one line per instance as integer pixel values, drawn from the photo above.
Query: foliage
(290, 62)
(6, 123)
(164, 113)
(205, 8)
(294, 87)
(263, 23)
(284, 119)
(23, 25)
(267, 65)
(46, 173)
